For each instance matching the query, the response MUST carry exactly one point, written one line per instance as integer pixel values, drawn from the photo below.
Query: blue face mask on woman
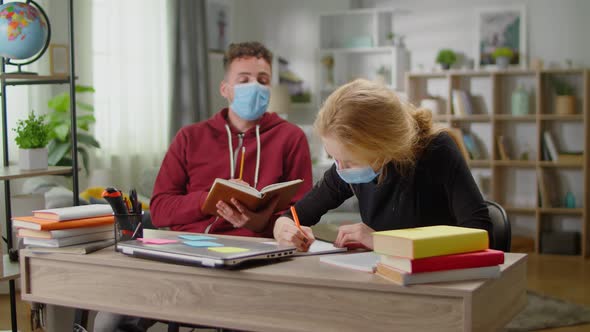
(250, 100)
(357, 175)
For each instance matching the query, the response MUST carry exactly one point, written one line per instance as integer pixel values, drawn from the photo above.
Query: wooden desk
(299, 294)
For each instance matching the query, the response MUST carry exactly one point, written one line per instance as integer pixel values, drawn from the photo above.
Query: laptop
(236, 252)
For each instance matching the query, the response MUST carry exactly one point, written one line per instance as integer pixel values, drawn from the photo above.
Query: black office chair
(501, 232)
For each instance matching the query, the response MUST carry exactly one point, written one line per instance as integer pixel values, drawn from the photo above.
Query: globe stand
(40, 54)
(20, 71)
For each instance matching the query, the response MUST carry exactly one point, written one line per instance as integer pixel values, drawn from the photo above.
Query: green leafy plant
(562, 88)
(390, 36)
(32, 133)
(503, 52)
(60, 146)
(446, 57)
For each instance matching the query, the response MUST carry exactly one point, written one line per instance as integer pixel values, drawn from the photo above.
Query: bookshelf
(513, 167)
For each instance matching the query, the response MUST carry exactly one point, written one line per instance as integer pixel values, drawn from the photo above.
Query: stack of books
(69, 226)
(435, 254)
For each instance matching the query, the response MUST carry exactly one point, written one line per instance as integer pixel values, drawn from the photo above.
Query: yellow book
(430, 241)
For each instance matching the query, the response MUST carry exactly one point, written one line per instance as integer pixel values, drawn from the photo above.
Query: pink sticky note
(156, 241)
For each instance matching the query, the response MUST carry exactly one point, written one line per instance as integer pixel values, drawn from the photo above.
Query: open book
(254, 200)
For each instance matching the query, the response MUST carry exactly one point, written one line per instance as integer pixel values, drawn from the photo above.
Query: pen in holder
(127, 212)
(128, 227)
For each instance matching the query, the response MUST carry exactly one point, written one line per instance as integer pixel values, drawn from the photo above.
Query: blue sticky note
(202, 244)
(196, 237)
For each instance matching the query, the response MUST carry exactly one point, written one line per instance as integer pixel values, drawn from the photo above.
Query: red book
(488, 257)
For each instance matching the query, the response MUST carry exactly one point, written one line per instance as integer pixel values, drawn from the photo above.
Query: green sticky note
(202, 244)
(229, 250)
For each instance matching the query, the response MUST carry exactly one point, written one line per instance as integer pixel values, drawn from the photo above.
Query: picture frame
(59, 59)
(501, 27)
(218, 25)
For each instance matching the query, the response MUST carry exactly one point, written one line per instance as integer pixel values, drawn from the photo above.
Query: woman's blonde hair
(375, 126)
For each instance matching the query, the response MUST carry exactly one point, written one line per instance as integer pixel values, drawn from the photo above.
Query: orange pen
(294, 213)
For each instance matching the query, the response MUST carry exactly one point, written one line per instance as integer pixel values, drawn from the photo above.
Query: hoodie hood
(266, 122)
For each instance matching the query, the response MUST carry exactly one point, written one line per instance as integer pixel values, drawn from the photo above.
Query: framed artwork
(218, 25)
(59, 59)
(501, 27)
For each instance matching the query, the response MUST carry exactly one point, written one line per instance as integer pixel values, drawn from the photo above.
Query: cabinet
(8, 172)
(357, 44)
(513, 166)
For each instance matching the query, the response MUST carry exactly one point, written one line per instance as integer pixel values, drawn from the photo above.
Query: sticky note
(202, 244)
(196, 237)
(229, 250)
(156, 241)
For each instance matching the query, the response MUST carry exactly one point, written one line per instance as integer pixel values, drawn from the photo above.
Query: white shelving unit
(357, 42)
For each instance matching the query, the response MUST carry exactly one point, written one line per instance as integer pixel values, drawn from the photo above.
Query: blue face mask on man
(357, 175)
(250, 100)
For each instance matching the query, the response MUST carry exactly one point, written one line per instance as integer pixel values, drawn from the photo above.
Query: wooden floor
(564, 277)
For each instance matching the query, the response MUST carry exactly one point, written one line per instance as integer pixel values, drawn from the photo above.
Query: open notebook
(318, 247)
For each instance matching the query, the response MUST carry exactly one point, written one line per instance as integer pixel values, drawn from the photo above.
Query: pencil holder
(127, 227)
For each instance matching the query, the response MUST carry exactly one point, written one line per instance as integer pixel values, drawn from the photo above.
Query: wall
(556, 30)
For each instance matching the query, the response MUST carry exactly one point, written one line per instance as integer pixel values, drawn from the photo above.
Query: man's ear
(224, 89)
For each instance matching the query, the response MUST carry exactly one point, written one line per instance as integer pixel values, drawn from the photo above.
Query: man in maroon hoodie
(276, 151)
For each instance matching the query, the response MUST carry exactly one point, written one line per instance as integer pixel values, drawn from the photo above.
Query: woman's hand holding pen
(287, 233)
(355, 233)
(239, 215)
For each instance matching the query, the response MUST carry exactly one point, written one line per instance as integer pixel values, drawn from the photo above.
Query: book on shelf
(551, 147)
(548, 188)
(571, 157)
(224, 190)
(462, 104)
(421, 242)
(472, 146)
(68, 241)
(32, 222)
(77, 249)
(364, 261)
(457, 136)
(74, 212)
(403, 278)
(502, 142)
(474, 259)
(58, 234)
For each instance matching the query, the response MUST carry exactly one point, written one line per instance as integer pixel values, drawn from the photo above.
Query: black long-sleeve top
(440, 191)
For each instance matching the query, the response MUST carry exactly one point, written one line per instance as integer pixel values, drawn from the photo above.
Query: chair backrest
(501, 232)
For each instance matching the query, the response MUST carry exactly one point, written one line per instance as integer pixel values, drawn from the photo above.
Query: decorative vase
(32, 159)
(445, 66)
(502, 62)
(520, 102)
(565, 105)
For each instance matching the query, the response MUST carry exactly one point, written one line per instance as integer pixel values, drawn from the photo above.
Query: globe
(23, 30)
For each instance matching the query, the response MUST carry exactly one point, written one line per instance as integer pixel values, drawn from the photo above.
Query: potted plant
(390, 38)
(446, 58)
(565, 99)
(32, 137)
(60, 146)
(502, 56)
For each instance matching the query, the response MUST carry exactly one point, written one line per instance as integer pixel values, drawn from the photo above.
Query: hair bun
(423, 118)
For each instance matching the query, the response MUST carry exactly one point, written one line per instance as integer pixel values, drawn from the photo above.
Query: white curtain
(131, 76)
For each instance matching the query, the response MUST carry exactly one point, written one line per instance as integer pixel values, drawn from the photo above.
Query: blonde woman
(404, 171)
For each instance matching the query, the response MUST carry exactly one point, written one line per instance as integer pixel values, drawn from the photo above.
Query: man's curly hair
(246, 49)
